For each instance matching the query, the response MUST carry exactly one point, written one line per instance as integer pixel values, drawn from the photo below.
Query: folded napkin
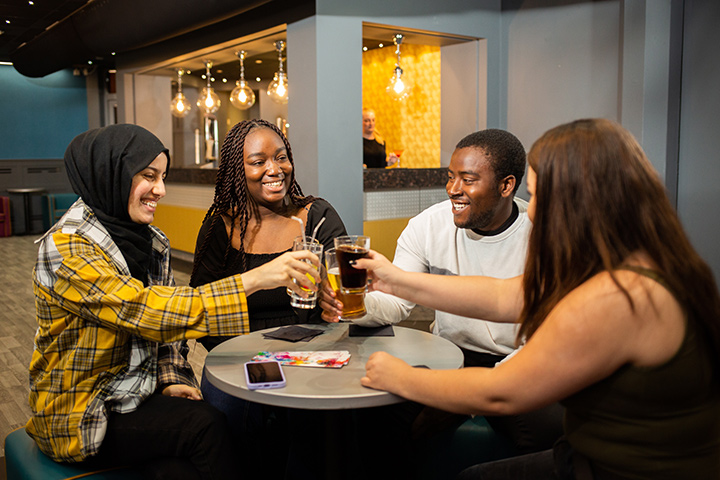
(293, 333)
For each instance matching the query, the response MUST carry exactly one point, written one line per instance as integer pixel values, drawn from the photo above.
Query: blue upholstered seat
(25, 461)
(55, 205)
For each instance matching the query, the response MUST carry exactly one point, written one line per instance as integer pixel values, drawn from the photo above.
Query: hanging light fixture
(278, 88)
(180, 106)
(209, 102)
(242, 96)
(399, 86)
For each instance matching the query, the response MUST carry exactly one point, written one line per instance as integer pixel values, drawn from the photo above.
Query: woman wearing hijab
(108, 376)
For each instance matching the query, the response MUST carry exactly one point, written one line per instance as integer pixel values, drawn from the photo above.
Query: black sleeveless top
(374, 154)
(266, 308)
(660, 422)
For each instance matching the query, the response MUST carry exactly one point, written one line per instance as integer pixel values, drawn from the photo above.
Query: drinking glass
(305, 243)
(353, 303)
(398, 153)
(347, 249)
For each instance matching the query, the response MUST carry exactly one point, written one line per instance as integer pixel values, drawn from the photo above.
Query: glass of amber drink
(353, 303)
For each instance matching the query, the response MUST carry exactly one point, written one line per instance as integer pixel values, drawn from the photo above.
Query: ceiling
(23, 20)
(262, 58)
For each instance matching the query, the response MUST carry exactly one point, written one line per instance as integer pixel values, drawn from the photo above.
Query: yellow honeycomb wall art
(413, 124)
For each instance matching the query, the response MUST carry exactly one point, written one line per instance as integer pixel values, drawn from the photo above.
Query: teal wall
(40, 116)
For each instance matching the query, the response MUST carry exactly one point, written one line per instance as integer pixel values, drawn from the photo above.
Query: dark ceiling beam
(106, 27)
(266, 16)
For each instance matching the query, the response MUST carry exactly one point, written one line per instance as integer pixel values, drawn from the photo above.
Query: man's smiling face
(473, 190)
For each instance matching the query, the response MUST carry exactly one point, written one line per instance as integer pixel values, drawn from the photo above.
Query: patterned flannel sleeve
(89, 285)
(173, 366)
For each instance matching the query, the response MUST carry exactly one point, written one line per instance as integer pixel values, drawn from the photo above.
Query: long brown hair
(598, 200)
(231, 196)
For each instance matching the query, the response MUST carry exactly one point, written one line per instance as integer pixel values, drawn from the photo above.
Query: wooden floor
(17, 329)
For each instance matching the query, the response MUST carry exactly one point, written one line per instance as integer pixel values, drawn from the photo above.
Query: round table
(27, 203)
(326, 388)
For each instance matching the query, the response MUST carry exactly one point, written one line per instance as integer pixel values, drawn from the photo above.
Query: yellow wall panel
(180, 224)
(384, 234)
(412, 124)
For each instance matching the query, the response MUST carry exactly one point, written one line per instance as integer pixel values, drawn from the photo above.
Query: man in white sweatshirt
(481, 230)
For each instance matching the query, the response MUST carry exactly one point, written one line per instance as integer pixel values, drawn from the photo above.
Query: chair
(25, 461)
(5, 223)
(55, 205)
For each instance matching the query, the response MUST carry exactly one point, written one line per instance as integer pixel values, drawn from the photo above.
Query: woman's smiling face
(148, 186)
(268, 170)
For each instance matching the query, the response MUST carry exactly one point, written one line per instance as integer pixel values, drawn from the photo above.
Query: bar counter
(373, 179)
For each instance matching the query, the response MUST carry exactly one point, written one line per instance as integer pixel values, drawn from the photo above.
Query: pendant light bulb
(399, 86)
(242, 96)
(180, 106)
(278, 88)
(209, 102)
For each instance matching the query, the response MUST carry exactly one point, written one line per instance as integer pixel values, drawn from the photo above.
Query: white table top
(326, 388)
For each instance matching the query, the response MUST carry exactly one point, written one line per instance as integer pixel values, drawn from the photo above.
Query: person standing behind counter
(108, 375)
(374, 155)
(620, 313)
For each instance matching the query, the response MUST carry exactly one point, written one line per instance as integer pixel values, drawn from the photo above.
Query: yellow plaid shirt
(104, 341)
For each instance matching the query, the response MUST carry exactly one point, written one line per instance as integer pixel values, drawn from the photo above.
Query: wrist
(249, 282)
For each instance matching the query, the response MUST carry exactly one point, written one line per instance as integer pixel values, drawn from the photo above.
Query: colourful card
(328, 359)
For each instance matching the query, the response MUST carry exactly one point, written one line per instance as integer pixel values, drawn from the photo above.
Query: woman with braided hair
(250, 221)
(249, 224)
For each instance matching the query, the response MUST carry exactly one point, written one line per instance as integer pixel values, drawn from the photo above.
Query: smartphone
(260, 375)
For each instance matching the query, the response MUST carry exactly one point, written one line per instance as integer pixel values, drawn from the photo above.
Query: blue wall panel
(40, 116)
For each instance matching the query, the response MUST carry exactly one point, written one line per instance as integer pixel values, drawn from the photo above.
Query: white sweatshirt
(431, 243)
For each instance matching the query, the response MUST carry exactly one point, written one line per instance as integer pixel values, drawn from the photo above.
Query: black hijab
(100, 164)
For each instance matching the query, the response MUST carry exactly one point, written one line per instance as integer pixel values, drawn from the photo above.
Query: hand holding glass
(353, 303)
(304, 243)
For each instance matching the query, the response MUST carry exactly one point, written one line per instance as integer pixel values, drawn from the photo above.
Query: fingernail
(352, 262)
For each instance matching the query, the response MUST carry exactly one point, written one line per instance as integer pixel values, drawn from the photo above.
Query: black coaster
(383, 331)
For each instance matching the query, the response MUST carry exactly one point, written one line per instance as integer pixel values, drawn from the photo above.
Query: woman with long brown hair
(620, 315)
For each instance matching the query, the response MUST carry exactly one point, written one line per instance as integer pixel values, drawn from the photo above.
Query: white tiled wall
(386, 204)
(189, 196)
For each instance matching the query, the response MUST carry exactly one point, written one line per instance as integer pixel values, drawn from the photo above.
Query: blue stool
(54, 207)
(25, 461)
(449, 453)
